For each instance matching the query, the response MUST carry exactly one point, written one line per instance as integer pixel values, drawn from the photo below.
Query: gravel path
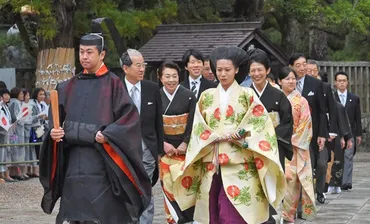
(20, 202)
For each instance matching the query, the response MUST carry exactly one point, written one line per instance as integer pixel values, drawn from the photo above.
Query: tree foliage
(293, 25)
(135, 19)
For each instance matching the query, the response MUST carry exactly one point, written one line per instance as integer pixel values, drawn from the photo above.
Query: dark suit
(313, 92)
(204, 84)
(353, 110)
(331, 108)
(152, 134)
(151, 120)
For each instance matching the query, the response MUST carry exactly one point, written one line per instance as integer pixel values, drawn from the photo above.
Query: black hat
(238, 57)
(95, 39)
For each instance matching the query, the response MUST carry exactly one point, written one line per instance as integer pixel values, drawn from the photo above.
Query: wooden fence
(358, 76)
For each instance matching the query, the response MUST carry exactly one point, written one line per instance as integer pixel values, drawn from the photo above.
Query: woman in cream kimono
(178, 105)
(232, 171)
(298, 170)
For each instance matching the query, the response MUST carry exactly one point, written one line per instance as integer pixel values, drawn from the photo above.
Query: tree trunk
(289, 36)
(56, 58)
(318, 44)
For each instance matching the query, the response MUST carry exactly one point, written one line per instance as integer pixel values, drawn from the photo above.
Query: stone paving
(20, 202)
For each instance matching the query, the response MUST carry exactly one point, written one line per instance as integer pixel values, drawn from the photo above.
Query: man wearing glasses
(312, 89)
(146, 96)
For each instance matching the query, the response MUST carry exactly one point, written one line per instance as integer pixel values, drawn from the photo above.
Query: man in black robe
(94, 161)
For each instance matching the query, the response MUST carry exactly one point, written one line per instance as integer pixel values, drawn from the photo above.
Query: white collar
(344, 93)
(197, 80)
(170, 96)
(129, 86)
(263, 90)
(224, 96)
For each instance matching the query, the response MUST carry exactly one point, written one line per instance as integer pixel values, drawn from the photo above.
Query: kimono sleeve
(189, 124)
(284, 130)
(303, 133)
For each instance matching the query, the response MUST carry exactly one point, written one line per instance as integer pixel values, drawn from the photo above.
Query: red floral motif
(259, 163)
(308, 211)
(251, 99)
(205, 135)
(217, 114)
(4, 121)
(233, 191)
(229, 111)
(258, 110)
(264, 145)
(223, 158)
(246, 166)
(187, 182)
(210, 167)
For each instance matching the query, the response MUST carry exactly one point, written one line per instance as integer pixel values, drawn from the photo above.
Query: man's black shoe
(345, 187)
(320, 198)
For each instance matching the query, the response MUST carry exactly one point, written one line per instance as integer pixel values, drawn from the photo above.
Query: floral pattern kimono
(298, 170)
(250, 169)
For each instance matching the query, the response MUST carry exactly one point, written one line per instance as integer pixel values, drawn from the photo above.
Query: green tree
(61, 23)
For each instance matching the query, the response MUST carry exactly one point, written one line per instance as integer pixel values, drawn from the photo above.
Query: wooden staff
(55, 108)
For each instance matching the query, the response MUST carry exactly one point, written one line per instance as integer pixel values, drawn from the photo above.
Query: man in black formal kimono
(194, 62)
(94, 161)
(312, 89)
(351, 103)
(146, 96)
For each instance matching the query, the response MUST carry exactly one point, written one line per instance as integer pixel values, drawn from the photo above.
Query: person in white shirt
(194, 64)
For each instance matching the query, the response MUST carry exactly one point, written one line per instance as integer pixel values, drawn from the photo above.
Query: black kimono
(105, 183)
(178, 117)
(275, 100)
(183, 102)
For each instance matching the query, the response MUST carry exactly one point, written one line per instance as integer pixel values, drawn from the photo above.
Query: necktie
(194, 87)
(342, 99)
(135, 97)
(298, 87)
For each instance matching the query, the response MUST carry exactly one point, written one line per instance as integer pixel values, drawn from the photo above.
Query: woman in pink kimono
(298, 170)
(231, 171)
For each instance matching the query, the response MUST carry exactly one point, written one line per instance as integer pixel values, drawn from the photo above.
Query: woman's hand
(169, 149)
(182, 148)
(57, 134)
(100, 138)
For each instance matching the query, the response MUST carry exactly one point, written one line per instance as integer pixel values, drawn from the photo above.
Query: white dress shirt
(197, 86)
(340, 97)
(301, 83)
(129, 86)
